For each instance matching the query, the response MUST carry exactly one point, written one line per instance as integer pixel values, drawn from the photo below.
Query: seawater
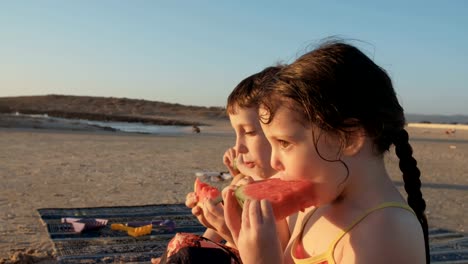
(119, 126)
(140, 127)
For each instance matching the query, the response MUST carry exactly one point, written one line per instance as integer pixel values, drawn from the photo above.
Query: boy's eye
(283, 144)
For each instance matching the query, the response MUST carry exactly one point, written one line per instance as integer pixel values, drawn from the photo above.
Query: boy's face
(251, 144)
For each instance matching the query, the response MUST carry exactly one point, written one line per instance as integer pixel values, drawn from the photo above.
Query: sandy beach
(43, 168)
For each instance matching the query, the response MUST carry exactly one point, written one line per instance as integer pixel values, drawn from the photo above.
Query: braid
(412, 182)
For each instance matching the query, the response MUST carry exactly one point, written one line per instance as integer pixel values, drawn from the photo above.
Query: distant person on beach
(330, 116)
(250, 156)
(196, 129)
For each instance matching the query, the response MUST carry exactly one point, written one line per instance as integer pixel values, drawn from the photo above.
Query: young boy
(249, 156)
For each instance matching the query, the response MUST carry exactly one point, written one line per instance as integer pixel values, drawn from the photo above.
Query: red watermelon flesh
(286, 197)
(205, 191)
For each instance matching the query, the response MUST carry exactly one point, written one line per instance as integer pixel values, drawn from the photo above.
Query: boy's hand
(229, 159)
(191, 200)
(239, 180)
(209, 215)
(213, 215)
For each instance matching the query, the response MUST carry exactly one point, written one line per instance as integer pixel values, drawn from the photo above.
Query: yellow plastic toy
(133, 231)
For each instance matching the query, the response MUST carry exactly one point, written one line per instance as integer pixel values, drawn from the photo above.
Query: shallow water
(118, 126)
(140, 127)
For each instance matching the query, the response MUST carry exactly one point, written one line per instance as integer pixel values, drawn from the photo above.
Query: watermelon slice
(286, 197)
(205, 191)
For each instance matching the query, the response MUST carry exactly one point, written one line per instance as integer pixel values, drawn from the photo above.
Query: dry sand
(47, 168)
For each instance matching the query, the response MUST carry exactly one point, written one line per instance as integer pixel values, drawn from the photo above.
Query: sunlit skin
(341, 198)
(252, 148)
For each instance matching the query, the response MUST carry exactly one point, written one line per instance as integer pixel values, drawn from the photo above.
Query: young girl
(329, 117)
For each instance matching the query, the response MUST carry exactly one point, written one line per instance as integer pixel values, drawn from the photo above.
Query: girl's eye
(283, 144)
(252, 132)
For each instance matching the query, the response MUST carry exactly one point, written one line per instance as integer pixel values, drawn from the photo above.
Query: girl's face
(251, 143)
(296, 156)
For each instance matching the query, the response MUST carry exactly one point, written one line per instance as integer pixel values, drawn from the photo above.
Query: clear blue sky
(195, 52)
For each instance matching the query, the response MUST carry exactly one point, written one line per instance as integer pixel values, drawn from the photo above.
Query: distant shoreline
(108, 118)
(45, 122)
(438, 126)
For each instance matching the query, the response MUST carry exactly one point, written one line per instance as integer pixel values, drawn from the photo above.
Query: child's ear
(354, 138)
(354, 142)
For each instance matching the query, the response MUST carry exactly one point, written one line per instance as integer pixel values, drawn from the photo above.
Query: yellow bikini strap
(366, 213)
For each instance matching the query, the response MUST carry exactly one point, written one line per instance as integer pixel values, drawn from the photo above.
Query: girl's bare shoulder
(389, 235)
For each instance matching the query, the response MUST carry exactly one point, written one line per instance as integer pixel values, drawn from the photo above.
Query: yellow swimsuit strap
(329, 253)
(364, 215)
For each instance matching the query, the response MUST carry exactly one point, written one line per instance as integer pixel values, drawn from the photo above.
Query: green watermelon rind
(241, 196)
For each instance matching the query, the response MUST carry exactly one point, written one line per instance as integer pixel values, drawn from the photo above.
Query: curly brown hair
(339, 89)
(245, 94)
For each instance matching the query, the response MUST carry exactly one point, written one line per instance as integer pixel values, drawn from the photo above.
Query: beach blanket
(104, 245)
(448, 247)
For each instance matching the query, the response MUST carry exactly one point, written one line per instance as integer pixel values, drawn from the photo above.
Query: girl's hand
(253, 230)
(258, 241)
(229, 159)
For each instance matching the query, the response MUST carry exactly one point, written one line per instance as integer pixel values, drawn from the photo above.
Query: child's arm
(212, 235)
(215, 237)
